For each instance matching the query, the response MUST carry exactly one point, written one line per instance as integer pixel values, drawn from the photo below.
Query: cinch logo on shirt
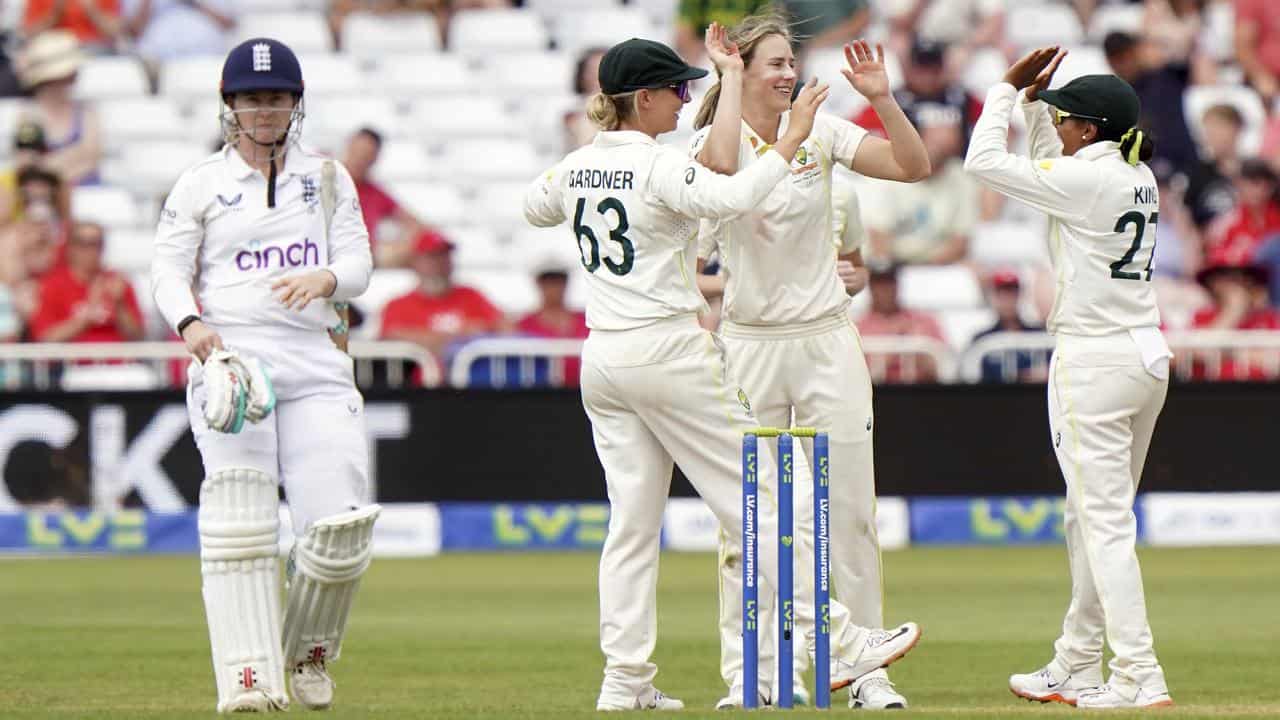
(295, 255)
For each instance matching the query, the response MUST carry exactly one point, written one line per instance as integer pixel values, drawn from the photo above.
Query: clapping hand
(721, 51)
(866, 72)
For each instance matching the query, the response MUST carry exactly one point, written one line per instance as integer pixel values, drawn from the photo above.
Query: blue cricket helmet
(261, 64)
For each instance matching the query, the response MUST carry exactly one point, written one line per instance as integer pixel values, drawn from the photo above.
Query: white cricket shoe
(253, 701)
(881, 648)
(877, 694)
(733, 700)
(311, 685)
(651, 699)
(1105, 697)
(1044, 685)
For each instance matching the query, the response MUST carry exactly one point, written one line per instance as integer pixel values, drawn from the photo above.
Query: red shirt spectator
(438, 313)
(1258, 43)
(1237, 235)
(83, 302)
(553, 320)
(888, 317)
(93, 22)
(1239, 303)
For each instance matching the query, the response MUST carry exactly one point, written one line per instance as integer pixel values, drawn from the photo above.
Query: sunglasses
(682, 89)
(1060, 115)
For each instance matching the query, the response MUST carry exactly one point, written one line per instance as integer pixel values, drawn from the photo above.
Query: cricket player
(654, 383)
(786, 312)
(1110, 367)
(253, 243)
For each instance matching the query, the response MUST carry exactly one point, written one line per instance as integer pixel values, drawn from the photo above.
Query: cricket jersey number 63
(617, 235)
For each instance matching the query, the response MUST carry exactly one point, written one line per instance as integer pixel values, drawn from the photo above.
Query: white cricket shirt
(1102, 217)
(633, 207)
(780, 258)
(219, 248)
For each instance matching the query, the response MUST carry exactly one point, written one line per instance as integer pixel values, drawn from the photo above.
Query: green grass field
(511, 636)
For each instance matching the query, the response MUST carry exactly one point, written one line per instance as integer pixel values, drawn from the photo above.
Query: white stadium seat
(431, 203)
(1199, 98)
(552, 9)
(1115, 18)
(476, 33)
(939, 287)
(997, 244)
(367, 34)
(152, 167)
(332, 74)
(1081, 60)
(403, 161)
(303, 32)
(525, 74)
(145, 118)
(385, 285)
(477, 247)
(111, 77)
(986, 68)
(129, 250)
(1035, 24)
(333, 118)
(501, 204)
(510, 290)
(441, 120)
(603, 28)
(194, 78)
(484, 161)
(111, 207)
(421, 73)
(959, 326)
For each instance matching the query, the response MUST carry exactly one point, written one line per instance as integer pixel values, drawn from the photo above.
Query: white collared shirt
(634, 207)
(1102, 216)
(780, 259)
(219, 248)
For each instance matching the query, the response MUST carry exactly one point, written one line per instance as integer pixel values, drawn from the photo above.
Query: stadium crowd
(443, 109)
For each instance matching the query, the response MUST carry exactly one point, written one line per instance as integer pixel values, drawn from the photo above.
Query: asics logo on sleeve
(264, 258)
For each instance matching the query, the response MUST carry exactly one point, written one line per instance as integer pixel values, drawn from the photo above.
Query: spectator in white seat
(164, 30)
(49, 66)
(928, 222)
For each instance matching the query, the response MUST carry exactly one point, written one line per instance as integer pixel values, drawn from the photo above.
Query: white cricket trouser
(658, 395)
(314, 443)
(1103, 405)
(811, 375)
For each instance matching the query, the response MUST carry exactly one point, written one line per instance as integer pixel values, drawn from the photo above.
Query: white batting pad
(328, 562)
(239, 522)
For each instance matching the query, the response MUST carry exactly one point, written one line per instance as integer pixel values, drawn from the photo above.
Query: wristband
(184, 322)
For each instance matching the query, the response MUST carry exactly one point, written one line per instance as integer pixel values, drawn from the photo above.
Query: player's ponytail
(1136, 146)
(747, 34)
(608, 111)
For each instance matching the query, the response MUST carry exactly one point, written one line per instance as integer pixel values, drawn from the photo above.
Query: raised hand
(1045, 77)
(1028, 68)
(721, 51)
(866, 72)
(806, 105)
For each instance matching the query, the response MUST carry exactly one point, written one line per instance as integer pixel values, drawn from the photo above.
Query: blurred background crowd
(443, 110)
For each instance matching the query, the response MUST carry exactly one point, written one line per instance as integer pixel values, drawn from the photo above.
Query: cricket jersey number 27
(591, 259)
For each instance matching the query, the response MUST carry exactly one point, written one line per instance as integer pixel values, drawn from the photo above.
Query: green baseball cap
(636, 64)
(1105, 99)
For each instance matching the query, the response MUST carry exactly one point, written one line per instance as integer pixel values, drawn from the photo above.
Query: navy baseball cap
(637, 64)
(261, 64)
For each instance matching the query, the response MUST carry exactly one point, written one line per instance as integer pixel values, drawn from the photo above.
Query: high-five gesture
(1029, 68)
(866, 72)
(811, 97)
(721, 51)
(1045, 77)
